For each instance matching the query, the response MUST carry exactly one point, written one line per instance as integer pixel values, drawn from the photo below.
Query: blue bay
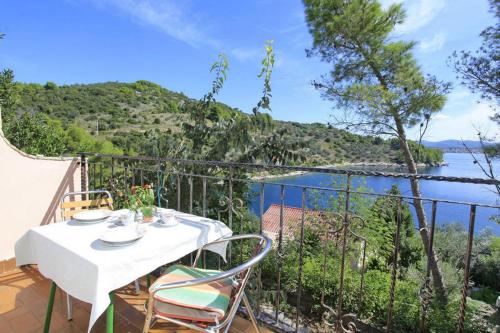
(458, 164)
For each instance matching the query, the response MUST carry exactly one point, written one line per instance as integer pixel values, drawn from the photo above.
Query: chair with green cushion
(202, 299)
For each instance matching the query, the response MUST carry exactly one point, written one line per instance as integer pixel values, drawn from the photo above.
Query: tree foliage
(41, 135)
(126, 114)
(8, 93)
(38, 135)
(375, 80)
(213, 133)
(480, 70)
(420, 154)
(382, 226)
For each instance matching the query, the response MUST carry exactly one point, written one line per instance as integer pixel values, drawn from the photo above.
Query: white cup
(128, 217)
(167, 217)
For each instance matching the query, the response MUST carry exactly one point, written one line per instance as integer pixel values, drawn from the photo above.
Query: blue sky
(173, 43)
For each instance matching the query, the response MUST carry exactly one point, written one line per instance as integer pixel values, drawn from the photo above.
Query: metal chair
(70, 208)
(211, 285)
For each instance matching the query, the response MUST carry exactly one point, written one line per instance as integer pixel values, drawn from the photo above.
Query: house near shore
(292, 220)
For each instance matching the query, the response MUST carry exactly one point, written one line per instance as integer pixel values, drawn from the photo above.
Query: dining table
(74, 257)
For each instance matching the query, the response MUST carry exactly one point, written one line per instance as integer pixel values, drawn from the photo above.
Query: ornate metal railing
(221, 190)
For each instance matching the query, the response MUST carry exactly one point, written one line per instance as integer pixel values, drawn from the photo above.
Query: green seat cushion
(204, 303)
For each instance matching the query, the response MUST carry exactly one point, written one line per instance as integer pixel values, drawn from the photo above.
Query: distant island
(455, 146)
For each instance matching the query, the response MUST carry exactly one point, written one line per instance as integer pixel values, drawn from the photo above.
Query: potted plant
(142, 198)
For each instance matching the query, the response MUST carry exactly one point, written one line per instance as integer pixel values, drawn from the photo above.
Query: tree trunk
(437, 276)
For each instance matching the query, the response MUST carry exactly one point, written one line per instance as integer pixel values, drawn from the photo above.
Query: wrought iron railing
(222, 190)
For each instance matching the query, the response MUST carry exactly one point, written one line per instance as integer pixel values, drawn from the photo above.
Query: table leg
(48, 315)
(110, 314)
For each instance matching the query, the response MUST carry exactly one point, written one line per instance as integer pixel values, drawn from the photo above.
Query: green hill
(123, 112)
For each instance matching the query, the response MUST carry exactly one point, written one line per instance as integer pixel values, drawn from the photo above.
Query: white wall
(30, 189)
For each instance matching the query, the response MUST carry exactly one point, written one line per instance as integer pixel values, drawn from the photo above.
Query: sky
(174, 43)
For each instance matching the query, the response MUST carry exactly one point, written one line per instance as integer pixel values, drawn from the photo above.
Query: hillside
(457, 146)
(124, 112)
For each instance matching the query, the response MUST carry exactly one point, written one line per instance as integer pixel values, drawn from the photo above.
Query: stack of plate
(92, 216)
(122, 236)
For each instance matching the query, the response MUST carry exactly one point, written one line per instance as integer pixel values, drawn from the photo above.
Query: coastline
(266, 175)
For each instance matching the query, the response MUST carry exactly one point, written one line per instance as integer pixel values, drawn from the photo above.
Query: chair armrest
(223, 275)
(262, 238)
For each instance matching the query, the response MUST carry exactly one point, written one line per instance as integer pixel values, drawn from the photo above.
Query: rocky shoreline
(385, 165)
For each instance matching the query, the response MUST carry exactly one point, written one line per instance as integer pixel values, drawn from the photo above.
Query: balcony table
(71, 255)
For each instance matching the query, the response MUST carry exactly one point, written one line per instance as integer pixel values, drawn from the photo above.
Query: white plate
(92, 215)
(120, 235)
(119, 243)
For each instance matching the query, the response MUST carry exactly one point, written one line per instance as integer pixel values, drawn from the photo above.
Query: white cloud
(247, 54)
(460, 126)
(459, 94)
(418, 13)
(434, 44)
(165, 15)
(441, 116)
(459, 119)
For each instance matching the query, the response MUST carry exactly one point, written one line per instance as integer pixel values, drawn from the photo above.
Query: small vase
(147, 213)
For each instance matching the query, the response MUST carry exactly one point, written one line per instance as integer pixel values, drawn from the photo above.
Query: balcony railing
(226, 191)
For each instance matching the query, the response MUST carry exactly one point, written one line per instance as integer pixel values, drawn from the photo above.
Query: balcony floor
(24, 294)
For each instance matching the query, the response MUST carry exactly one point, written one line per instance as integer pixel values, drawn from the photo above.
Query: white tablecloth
(70, 254)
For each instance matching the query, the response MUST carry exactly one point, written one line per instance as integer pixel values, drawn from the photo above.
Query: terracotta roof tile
(292, 219)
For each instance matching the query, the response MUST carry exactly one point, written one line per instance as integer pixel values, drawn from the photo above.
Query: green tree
(8, 92)
(79, 140)
(382, 226)
(214, 133)
(480, 71)
(37, 135)
(376, 80)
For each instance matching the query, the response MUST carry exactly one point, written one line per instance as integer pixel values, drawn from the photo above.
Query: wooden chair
(71, 207)
(201, 299)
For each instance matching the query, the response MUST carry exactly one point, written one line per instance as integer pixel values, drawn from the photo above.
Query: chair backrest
(243, 270)
(70, 208)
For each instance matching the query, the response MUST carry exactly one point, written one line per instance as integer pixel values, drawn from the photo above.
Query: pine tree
(376, 80)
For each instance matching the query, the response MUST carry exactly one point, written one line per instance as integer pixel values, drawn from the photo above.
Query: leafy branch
(266, 72)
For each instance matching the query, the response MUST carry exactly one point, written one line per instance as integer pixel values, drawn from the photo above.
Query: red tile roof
(292, 219)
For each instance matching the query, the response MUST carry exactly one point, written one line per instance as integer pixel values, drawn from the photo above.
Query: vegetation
(42, 135)
(37, 135)
(144, 118)
(480, 73)
(371, 304)
(127, 117)
(376, 80)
